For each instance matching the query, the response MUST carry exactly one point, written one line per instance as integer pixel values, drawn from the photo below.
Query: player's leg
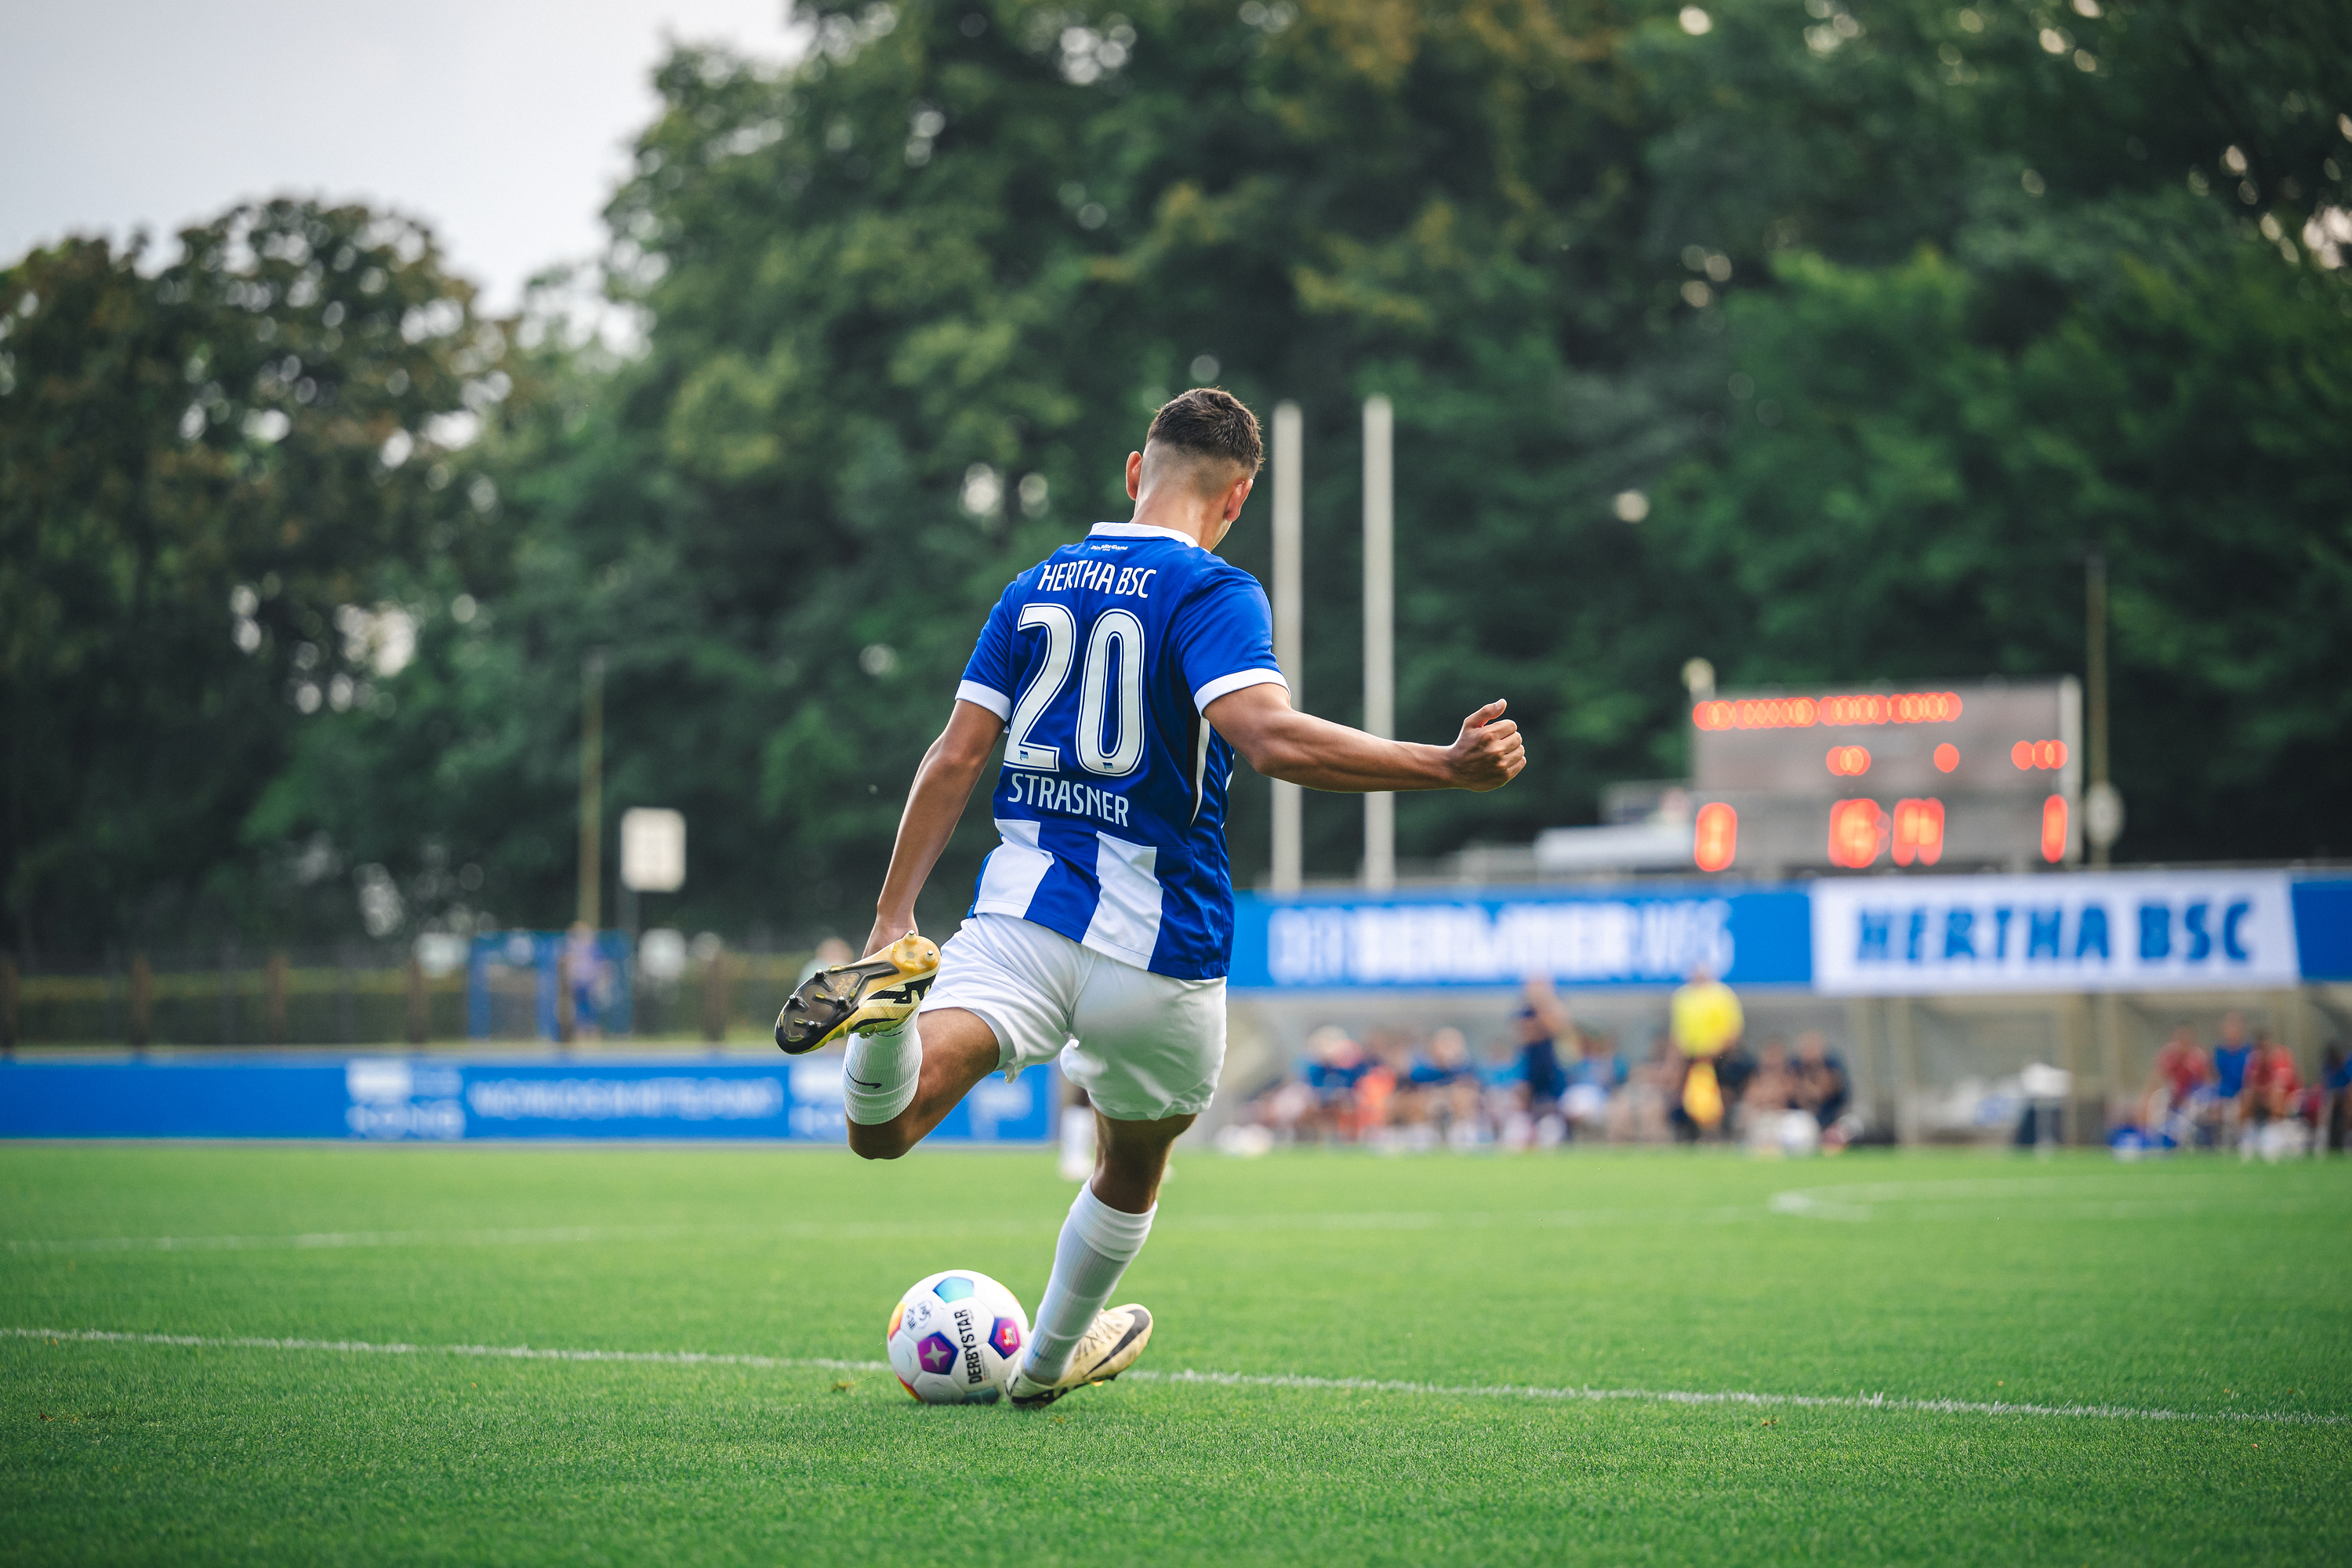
(1148, 1055)
(1073, 1340)
(1131, 1159)
(909, 1091)
(1000, 1001)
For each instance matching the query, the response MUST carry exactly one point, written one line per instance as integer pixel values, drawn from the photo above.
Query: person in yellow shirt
(1705, 1018)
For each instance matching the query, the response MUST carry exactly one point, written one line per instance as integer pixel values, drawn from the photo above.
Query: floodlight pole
(591, 788)
(2095, 678)
(1288, 527)
(1380, 630)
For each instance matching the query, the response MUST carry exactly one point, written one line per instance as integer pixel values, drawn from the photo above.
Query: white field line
(869, 1230)
(494, 1352)
(1734, 1396)
(1876, 1402)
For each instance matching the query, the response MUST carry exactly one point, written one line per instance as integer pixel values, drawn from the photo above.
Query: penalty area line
(1874, 1401)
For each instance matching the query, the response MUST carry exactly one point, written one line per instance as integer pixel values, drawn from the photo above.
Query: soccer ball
(955, 1338)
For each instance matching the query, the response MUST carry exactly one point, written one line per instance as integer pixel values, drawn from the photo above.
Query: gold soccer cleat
(873, 996)
(1111, 1344)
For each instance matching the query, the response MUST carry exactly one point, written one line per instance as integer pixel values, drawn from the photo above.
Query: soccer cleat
(1108, 1347)
(876, 993)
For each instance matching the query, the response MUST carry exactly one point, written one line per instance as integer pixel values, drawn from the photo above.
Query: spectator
(1593, 1083)
(1442, 1088)
(1733, 1069)
(2272, 1099)
(2175, 1082)
(1821, 1085)
(1706, 1018)
(586, 967)
(1541, 1081)
(2232, 1056)
(1376, 1091)
(2335, 1096)
(1639, 1113)
(1772, 1087)
(2272, 1082)
(1334, 1064)
(1284, 1109)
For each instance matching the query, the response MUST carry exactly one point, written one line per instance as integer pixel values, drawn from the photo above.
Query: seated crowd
(1549, 1081)
(2240, 1093)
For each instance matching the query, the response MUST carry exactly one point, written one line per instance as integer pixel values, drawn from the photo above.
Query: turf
(2203, 1288)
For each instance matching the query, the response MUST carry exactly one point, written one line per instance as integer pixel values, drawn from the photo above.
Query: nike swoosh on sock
(861, 1082)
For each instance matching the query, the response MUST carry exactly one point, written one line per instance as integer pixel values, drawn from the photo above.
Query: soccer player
(1122, 673)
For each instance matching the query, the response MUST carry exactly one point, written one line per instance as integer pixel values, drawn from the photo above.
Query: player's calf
(896, 1088)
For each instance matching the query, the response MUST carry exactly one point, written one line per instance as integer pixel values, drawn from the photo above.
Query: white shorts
(1142, 1045)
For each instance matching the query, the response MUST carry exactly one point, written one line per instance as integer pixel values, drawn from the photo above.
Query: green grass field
(2204, 1289)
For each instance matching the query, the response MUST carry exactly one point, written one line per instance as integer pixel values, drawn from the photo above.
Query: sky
(502, 123)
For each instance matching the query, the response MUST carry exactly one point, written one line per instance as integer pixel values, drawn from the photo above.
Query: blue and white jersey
(1111, 801)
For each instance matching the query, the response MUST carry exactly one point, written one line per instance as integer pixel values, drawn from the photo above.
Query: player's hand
(1488, 753)
(887, 928)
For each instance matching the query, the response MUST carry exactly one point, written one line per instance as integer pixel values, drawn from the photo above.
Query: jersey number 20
(1112, 629)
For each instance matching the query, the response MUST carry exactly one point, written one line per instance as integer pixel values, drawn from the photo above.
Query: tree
(1820, 343)
(204, 474)
(2108, 338)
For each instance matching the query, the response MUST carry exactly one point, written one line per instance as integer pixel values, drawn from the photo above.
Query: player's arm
(944, 785)
(1281, 742)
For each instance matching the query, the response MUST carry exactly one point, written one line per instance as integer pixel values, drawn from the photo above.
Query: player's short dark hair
(1209, 422)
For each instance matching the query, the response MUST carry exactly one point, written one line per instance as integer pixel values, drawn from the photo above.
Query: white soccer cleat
(1108, 1347)
(875, 995)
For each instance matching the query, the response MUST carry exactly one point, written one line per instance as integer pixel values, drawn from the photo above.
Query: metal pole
(591, 788)
(2094, 674)
(1379, 631)
(1288, 525)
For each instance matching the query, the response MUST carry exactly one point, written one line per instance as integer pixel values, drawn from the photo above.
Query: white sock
(880, 1074)
(1097, 1244)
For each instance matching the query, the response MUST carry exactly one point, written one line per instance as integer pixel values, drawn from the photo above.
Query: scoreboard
(1928, 777)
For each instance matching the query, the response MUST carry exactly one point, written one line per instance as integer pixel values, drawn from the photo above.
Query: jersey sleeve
(989, 675)
(1223, 637)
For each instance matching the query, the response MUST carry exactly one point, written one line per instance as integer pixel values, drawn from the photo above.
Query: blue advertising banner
(2099, 930)
(2323, 928)
(414, 1099)
(1624, 936)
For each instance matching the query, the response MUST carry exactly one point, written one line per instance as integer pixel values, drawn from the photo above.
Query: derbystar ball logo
(936, 1353)
(974, 1371)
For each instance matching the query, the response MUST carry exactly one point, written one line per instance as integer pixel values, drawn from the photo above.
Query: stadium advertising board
(2323, 928)
(2121, 930)
(398, 1099)
(1581, 939)
(1890, 936)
